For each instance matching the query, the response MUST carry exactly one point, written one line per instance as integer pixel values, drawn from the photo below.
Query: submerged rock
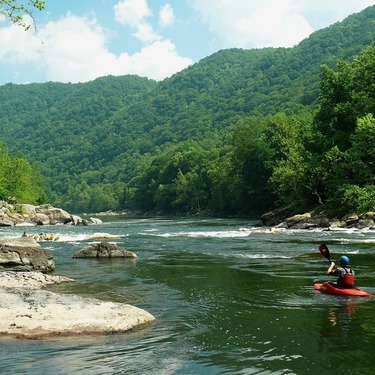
(104, 250)
(101, 236)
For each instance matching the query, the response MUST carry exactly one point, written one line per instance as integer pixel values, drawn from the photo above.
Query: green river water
(227, 300)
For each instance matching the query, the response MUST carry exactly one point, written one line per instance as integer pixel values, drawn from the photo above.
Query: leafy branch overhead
(16, 12)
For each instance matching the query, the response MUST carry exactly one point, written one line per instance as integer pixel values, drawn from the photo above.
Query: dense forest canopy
(240, 132)
(20, 182)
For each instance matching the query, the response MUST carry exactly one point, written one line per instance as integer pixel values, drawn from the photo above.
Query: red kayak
(333, 289)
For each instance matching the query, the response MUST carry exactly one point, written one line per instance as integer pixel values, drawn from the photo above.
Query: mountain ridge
(100, 132)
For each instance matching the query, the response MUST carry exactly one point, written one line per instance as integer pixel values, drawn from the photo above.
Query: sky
(80, 40)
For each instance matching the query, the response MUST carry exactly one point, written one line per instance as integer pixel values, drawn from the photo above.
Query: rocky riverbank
(30, 215)
(281, 219)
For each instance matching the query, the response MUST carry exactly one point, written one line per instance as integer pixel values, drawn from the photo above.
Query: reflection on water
(342, 315)
(226, 301)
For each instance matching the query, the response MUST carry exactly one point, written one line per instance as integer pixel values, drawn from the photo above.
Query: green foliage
(359, 199)
(176, 180)
(232, 134)
(19, 179)
(294, 178)
(15, 11)
(250, 169)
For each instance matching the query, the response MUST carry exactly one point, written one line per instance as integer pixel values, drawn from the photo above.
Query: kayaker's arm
(331, 267)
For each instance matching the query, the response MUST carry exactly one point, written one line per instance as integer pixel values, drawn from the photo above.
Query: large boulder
(37, 314)
(277, 216)
(104, 250)
(55, 215)
(24, 254)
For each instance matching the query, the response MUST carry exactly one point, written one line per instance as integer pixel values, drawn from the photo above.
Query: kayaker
(344, 272)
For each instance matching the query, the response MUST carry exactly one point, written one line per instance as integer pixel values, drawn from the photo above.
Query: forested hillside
(232, 134)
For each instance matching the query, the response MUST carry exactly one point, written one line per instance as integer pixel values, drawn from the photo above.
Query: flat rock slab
(30, 280)
(27, 311)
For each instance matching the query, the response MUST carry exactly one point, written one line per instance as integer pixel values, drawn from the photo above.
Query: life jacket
(348, 278)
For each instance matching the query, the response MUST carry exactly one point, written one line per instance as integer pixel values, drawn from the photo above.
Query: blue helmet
(344, 260)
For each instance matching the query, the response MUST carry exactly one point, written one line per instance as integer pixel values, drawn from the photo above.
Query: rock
(29, 280)
(26, 311)
(55, 215)
(38, 314)
(298, 219)
(91, 220)
(305, 226)
(101, 236)
(6, 223)
(365, 223)
(76, 220)
(94, 220)
(276, 217)
(368, 215)
(104, 250)
(350, 219)
(25, 214)
(24, 254)
(41, 219)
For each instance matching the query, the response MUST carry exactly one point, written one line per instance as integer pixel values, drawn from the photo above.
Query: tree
(19, 179)
(344, 131)
(15, 12)
(250, 166)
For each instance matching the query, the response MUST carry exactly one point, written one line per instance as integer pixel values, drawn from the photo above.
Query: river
(227, 300)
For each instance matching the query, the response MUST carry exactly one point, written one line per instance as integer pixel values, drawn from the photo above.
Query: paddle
(325, 252)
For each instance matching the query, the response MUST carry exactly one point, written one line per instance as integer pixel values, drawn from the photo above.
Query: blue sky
(80, 40)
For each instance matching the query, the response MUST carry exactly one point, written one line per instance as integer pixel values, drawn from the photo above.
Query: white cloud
(74, 49)
(156, 60)
(166, 16)
(18, 46)
(265, 23)
(146, 34)
(132, 12)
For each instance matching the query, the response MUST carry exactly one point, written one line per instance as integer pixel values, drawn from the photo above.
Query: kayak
(333, 289)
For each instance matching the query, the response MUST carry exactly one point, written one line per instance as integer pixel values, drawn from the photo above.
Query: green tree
(250, 166)
(344, 132)
(15, 11)
(19, 179)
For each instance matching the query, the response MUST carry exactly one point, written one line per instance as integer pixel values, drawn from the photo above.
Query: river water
(227, 300)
